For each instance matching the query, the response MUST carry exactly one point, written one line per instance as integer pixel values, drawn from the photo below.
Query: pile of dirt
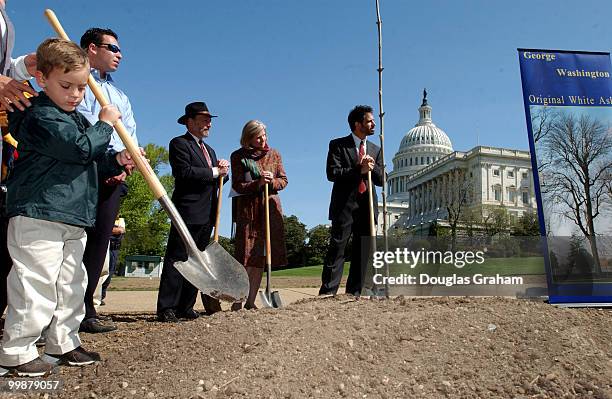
(339, 347)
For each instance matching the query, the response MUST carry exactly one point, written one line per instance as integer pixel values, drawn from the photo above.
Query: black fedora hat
(193, 109)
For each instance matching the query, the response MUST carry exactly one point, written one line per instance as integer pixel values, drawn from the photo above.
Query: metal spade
(212, 272)
(234, 274)
(268, 298)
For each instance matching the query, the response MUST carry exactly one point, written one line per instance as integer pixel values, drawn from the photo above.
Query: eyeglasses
(111, 47)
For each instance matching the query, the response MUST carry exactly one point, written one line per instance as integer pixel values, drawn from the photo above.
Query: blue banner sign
(568, 106)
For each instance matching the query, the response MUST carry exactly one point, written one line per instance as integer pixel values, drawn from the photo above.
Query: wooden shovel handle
(218, 216)
(267, 211)
(141, 163)
(371, 205)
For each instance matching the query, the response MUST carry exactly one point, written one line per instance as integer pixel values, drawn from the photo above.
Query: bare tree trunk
(591, 231)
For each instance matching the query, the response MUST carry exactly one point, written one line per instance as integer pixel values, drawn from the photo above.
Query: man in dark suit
(196, 170)
(348, 161)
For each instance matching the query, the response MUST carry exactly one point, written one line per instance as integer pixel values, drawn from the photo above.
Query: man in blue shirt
(104, 57)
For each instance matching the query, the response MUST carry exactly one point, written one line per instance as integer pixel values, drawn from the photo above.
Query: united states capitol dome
(424, 144)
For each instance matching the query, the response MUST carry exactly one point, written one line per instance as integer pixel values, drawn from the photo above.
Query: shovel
(211, 271)
(215, 253)
(269, 299)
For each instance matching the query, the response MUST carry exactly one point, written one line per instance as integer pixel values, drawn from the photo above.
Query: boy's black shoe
(167, 316)
(34, 368)
(76, 357)
(95, 326)
(79, 357)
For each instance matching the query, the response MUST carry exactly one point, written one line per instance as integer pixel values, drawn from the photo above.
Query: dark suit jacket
(195, 189)
(344, 172)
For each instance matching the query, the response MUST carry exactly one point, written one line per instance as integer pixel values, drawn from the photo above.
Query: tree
(458, 199)
(295, 237)
(607, 181)
(495, 220)
(580, 261)
(227, 244)
(542, 121)
(147, 224)
(527, 225)
(579, 153)
(318, 241)
(470, 220)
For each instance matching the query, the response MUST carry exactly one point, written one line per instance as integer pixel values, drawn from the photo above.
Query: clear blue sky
(300, 66)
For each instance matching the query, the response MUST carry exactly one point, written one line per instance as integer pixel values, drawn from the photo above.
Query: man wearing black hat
(196, 170)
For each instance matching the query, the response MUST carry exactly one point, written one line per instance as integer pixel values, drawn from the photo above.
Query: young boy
(52, 198)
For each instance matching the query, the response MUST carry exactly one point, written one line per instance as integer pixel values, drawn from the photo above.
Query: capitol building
(429, 176)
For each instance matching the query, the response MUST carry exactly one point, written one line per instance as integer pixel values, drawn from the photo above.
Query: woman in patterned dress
(254, 165)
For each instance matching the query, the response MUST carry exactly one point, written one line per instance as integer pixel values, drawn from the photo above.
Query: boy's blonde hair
(250, 130)
(62, 54)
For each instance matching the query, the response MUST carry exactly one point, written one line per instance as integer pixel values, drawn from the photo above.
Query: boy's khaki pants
(46, 287)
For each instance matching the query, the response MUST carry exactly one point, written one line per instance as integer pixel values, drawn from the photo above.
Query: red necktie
(205, 152)
(362, 185)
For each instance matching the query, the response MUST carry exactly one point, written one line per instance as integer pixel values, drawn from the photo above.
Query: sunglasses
(111, 47)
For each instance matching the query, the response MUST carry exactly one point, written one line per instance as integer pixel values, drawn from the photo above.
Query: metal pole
(382, 143)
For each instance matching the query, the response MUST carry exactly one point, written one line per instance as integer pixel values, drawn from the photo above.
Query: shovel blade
(227, 279)
(270, 300)
(265, 299)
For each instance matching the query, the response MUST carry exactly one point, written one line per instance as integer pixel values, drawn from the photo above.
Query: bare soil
(152, 284)
(339, 347)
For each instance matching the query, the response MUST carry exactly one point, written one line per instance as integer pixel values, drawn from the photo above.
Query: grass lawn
(306, 271)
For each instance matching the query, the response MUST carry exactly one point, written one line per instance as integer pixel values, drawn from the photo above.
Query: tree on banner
(578, 152)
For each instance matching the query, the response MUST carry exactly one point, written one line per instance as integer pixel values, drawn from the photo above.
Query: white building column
(421, 192)
(502, 176)
(413, 202)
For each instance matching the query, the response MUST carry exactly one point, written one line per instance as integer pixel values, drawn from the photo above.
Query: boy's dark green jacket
(60, 155)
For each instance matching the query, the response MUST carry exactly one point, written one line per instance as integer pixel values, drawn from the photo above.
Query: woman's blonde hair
(250, 130)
